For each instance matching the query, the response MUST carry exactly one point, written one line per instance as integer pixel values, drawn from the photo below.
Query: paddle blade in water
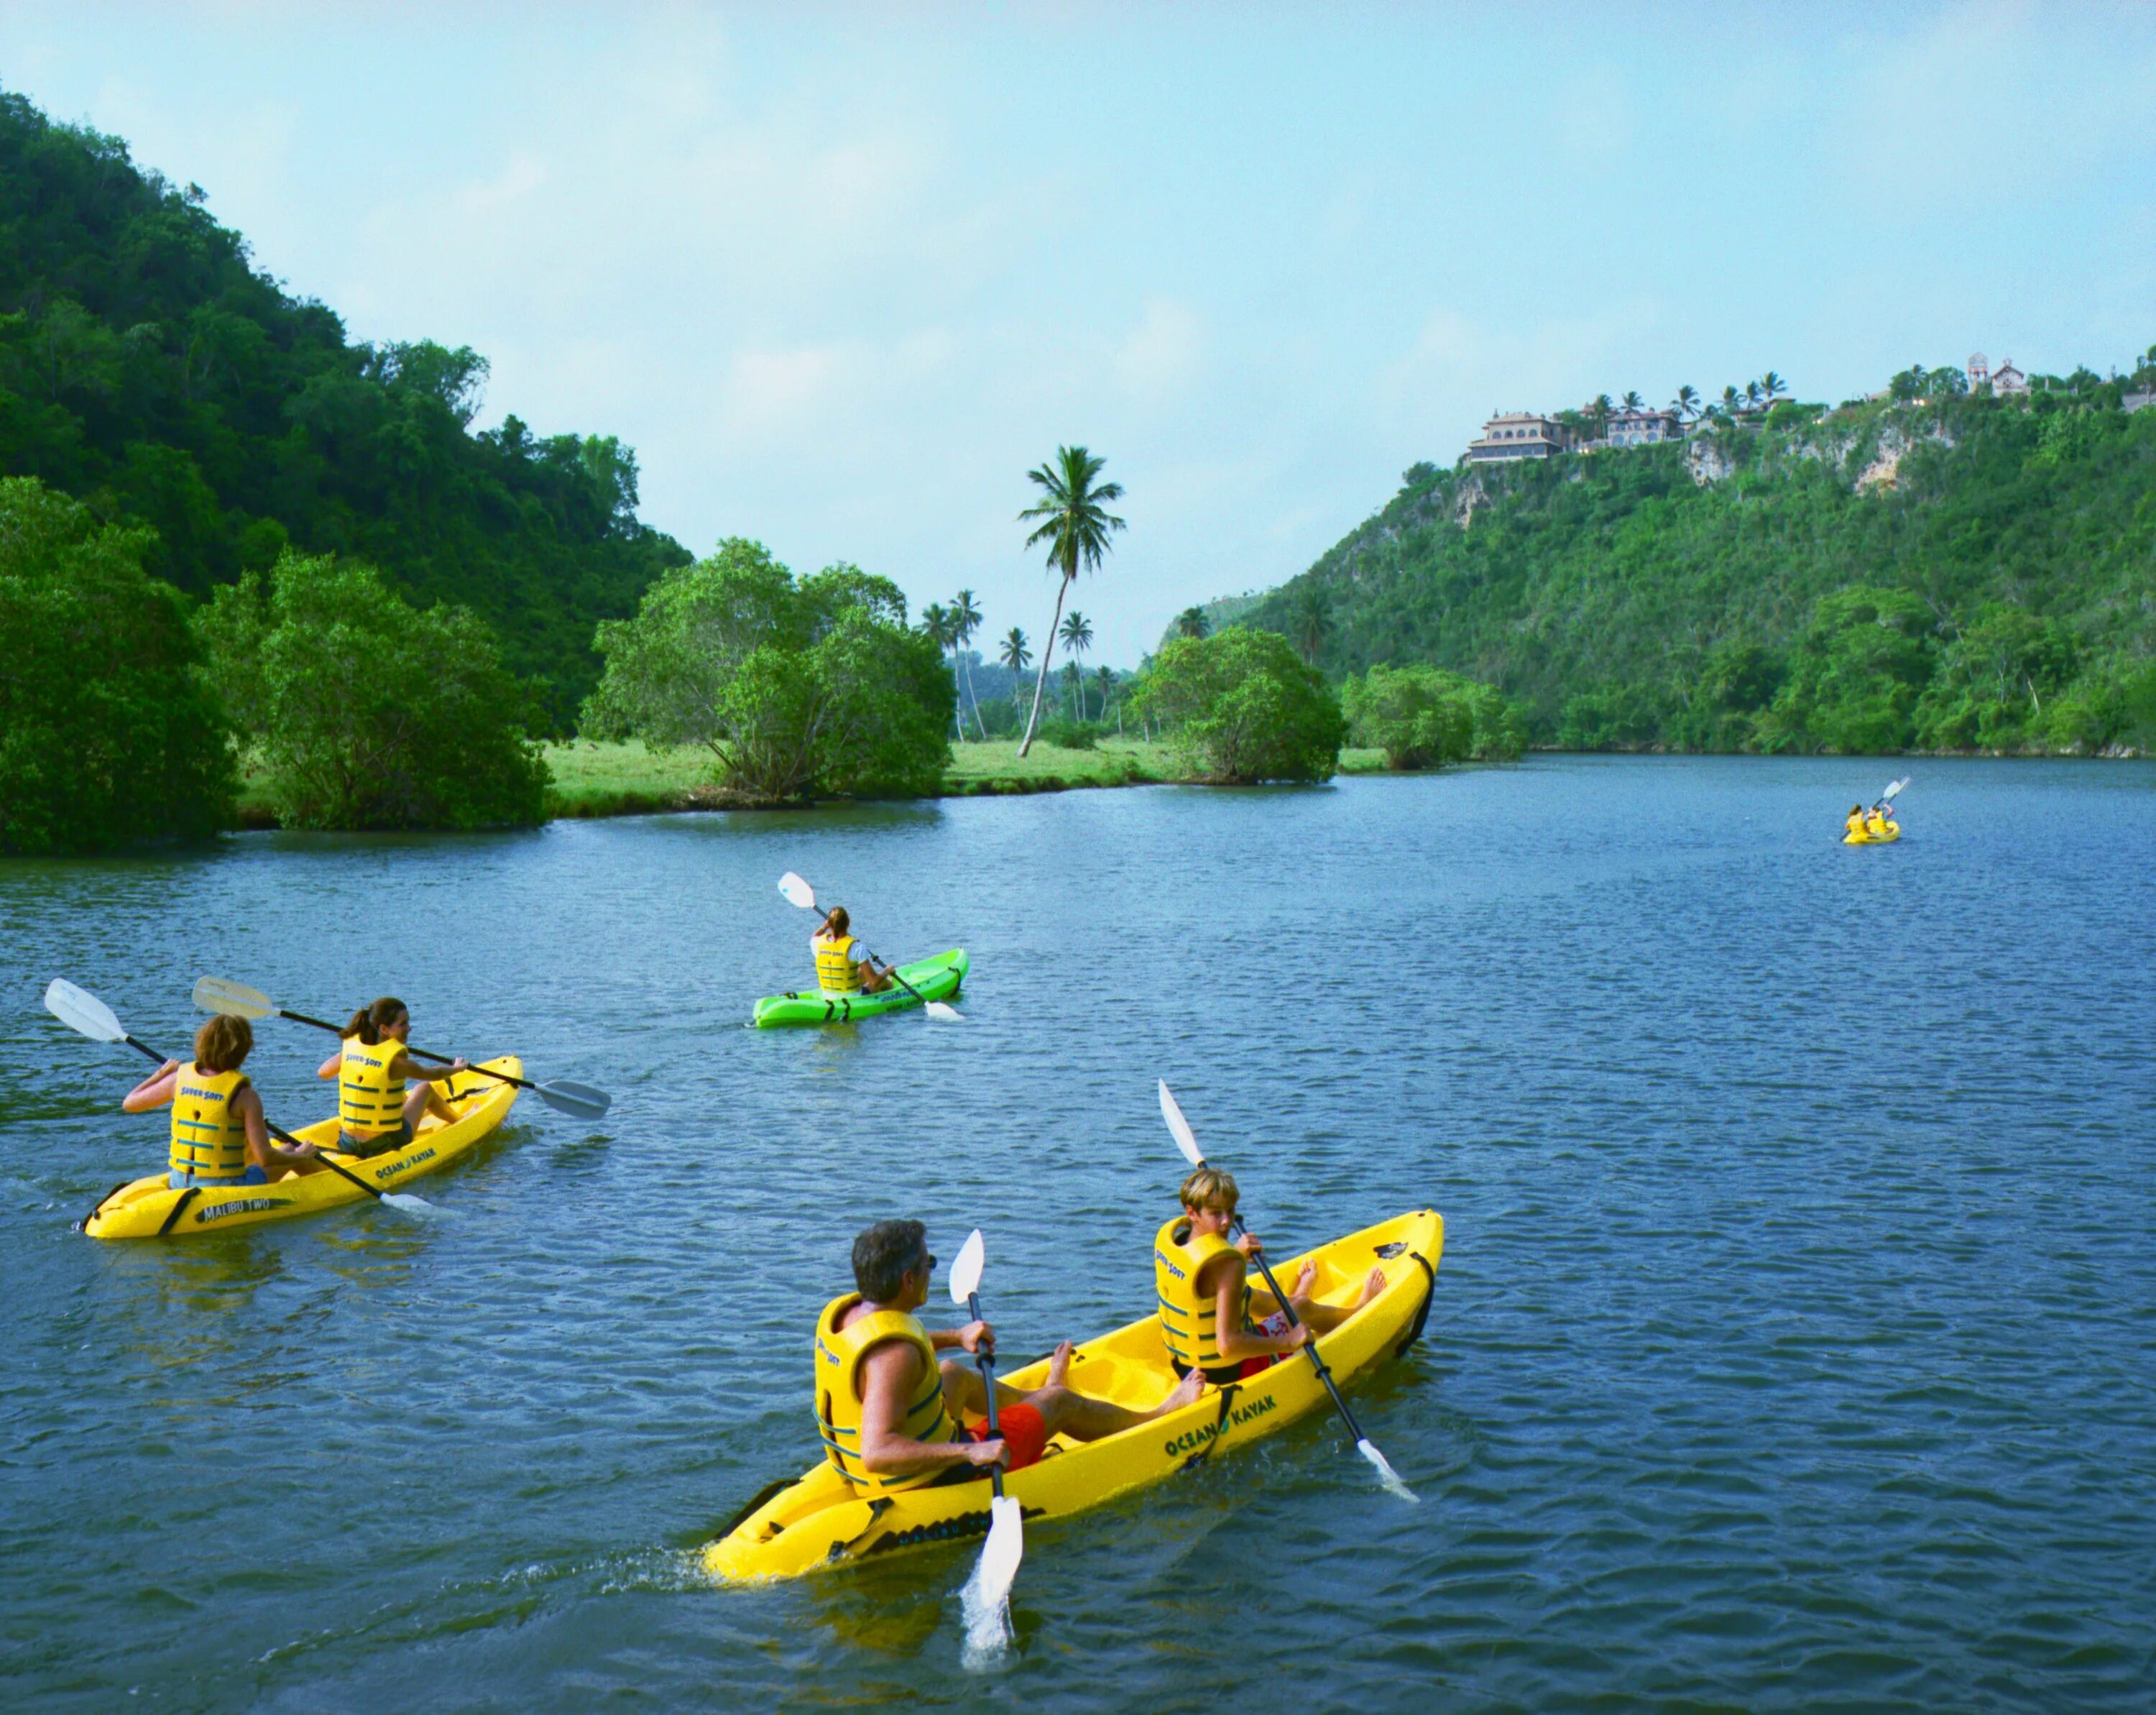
(966, 1271)
(78, 1010)
(986, 1596)
(797, 891)
(947, 1013)
(1185, 1139)
(406, 1204)
(235, 999)
(1386, 1475)
(581, 1100)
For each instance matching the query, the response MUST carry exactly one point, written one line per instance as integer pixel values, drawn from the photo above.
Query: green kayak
(938, 978)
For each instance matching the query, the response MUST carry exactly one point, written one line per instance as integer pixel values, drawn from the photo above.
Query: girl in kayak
(1856, 818)
(888, 1408)
(1206, 1303)
(374, 1107)
(843, 965)
(219, 1137)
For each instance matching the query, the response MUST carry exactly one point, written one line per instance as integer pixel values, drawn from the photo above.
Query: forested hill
(149, 369)
(1956, 572)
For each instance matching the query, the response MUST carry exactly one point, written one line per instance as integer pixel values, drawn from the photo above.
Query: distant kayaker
(1206, 1303)
(1856, 818)
(843, 965)
(374, 1106)
(890, 1410)
(219, 1137)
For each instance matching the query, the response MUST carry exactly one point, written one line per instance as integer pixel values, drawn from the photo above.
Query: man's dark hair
(885, 1254)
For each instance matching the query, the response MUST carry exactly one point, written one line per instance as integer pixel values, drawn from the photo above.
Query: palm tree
(1077, 635)
(1014, 654)
(1074, 681)
(1597, 411)
(1633, 402)
(1731, 400)
(1192, 621)
(965, 621)
(1771, 385)
(1076, 526)
(1752, 394)
(1105, 678)
(1687, 403)
(1310, 621)
(940, 627)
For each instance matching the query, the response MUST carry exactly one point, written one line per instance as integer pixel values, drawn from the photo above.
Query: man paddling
(843, 965)
(1206, 1303)
(891, 1410)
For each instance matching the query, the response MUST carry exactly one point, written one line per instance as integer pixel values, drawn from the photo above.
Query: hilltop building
(1518, 434)
(2006, 380)
(1639, 429)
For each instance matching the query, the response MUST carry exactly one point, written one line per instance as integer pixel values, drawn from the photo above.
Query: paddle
(237, 999)
(80, 1010)
(988, 1591)
(799, 892)
(1187, 1141)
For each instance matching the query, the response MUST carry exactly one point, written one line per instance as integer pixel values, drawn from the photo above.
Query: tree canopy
(1246, 707)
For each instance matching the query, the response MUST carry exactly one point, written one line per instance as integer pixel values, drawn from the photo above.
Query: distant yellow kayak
(1874, 834)
(819, 1521)
(149, 1208)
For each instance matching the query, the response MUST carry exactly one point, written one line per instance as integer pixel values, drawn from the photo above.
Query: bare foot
(1304, 1281)
(1059, 1365)
(1186, 1394)
(1371, 1287)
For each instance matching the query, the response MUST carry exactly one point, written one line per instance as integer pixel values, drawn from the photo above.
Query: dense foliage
(147, 367)
(363, 713)
(109, 731)
(1965, 572)
(799, 688)
(1246, 707)
(1423, 717)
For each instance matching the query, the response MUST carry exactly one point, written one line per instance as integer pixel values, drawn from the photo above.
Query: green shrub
(1246, 707)
(1424, 717)
(365, 713)
(1069, 735)
(109, 731)
(796, 688)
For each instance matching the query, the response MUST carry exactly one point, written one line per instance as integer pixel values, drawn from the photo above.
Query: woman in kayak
(1856, 818)
(1206, 1303)
(374, 1107)
(843, 965)
(888, 1408)
(219, 1137)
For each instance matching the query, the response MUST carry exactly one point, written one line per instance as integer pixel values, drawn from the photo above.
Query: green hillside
(147, 368)
(1950, 572)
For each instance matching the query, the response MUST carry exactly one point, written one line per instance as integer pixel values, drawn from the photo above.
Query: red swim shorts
(1026, 1434)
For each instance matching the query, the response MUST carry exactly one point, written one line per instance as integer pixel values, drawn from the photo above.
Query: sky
(842, 276)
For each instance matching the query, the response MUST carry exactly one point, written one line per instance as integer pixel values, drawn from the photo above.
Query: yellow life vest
(836, 973)
(209, 1138)
(1189, 1324)
(1856, 824)
(839, 1354)
(370, 1102)
(1876, 822)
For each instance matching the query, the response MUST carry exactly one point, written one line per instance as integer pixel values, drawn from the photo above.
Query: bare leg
(1323, 1318)
(1061, 1407)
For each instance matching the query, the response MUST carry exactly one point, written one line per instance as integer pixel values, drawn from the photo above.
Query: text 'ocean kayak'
(151, 1208)
(936, 978)
(819, 1521)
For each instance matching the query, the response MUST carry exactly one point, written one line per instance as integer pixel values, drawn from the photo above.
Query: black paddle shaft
(987, 1365)
(277, 1131)
(439, 1059)
(1310, 1345)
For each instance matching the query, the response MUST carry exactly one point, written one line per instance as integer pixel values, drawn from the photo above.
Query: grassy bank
(628, 780)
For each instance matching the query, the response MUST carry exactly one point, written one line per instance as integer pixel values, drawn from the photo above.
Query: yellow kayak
(1874, 834)
(151, 1208)
(818, 1521)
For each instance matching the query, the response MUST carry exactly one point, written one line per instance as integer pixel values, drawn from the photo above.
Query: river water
(1794, 1343)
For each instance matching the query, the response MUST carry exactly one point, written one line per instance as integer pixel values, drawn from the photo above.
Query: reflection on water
(1789, 1347)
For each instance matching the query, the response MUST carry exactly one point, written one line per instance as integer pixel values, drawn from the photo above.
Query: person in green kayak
(1206, 1306)
(888, 1408)
(843, 965)
(219, 1136)
(375, 1108)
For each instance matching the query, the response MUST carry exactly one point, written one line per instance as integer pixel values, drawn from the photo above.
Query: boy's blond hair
(1210, 1188)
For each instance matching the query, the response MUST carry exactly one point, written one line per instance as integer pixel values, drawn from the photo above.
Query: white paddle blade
(986, 1596)
(966, 1271)
(404, 1203)
(945, 1014)
(234, 1000)
(1386, 1475)
(797, 891)
(1185, 1139)
(78, 1010)
(581, 1100)
(1887, 797)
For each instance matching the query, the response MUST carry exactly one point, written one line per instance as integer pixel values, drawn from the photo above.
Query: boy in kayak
(377, 1110)
(888, 1407)
(1206, 1303)
(843, 965)
(219, 1137)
